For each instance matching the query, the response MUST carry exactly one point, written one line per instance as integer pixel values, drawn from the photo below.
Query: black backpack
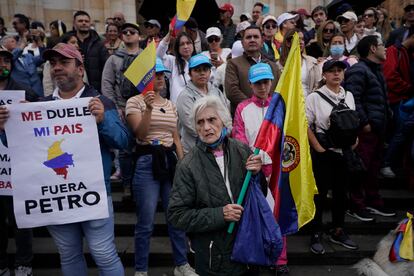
(344, 124)
(126, 88)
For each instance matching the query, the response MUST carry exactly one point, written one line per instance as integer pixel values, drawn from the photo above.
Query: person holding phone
(215, 53)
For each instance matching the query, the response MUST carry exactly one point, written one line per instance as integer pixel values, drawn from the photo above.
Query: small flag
(402, 248)
(142, 70)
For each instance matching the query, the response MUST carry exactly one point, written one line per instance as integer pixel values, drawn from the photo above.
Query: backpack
(126, 88)
(344, 124)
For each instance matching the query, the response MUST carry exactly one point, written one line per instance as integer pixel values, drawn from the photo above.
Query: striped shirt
(163, 120)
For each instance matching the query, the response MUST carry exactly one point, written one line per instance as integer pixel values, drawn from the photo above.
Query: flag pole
(243, 192)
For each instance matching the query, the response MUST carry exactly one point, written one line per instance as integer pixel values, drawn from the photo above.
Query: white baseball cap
(269, 17)
(286, 16)
(213, 31)
(348, 15)
(242, 26)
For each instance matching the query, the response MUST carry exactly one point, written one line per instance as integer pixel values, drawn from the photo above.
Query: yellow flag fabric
(184, 9)
(406, 247)
(141, 71)
(301, 179)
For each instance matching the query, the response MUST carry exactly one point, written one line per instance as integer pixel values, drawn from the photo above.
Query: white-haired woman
(206, 186)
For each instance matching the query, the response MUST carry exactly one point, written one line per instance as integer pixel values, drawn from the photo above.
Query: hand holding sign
(4, 114)
(97, 109)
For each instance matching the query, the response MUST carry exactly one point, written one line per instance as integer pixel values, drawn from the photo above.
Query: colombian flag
(184, 10)
(402, 248)
(283, 135)
(142, 70)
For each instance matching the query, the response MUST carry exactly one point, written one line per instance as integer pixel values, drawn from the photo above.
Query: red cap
(66, 50)
(227, 7)
(303, 12)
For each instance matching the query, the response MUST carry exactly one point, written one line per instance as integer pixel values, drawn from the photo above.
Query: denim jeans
(146, 192)
(99, 235)
(22, 237)
(126, 165)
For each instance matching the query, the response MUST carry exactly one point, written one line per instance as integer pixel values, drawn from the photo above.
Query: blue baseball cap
(260, 71)
(198, 60)
(159, 67)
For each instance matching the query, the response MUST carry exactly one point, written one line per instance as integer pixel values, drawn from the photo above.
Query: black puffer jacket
(95, 54)
(366, 82)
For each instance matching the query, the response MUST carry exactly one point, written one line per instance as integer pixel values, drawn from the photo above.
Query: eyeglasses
(369, 15)
(132, 32)
(212, 39)
(268, 26)
(328, 31)
(117, 18)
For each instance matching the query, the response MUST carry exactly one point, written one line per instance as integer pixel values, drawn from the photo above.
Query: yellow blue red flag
(142, 70)
(184, 10)
(283, 135)
(402, 249)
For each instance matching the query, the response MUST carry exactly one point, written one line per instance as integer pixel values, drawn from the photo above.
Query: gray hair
(215, 103)
(4, 38)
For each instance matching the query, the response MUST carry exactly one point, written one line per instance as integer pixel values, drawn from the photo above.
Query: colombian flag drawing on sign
(142, 70)
(286, 141)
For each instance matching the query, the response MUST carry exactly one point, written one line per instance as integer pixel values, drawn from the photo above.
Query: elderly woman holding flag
(153, 120)
(206, 186)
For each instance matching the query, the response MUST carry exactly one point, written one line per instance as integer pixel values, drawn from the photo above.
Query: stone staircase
(366, 235)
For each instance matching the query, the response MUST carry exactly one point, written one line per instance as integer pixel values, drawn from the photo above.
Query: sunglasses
(328, 31)
(268, 26)
(132, 32)
(117, 18)
(369, 15)
(212, 39)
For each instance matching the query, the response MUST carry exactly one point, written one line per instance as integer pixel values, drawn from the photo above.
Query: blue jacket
(25, 70)
(112, 132)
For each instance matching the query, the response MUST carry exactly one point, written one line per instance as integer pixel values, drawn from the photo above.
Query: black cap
(333, 63)
(131, 25)
(408, 7)
(191, 24)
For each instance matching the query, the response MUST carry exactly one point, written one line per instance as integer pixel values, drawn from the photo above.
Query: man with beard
(237, 84)
(92, 48)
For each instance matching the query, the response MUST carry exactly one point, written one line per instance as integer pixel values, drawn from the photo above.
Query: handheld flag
(184, 10)
(402, 247)
(142, 70)
(292, 182)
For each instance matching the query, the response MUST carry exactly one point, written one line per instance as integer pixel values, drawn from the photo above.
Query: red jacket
(397, 74)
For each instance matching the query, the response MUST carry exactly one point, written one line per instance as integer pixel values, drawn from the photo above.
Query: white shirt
(350, 44)
(56, 95)
(305, 82)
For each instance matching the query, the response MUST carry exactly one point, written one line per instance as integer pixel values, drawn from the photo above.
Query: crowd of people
(190, 140)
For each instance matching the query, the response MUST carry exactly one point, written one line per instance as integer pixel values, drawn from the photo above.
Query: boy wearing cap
(226, 25)
(198, 87)
(248, 118)
(347, 23)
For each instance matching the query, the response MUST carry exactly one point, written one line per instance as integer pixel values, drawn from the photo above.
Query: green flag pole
(243, 192)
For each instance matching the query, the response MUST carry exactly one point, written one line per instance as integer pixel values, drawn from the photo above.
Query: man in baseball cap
(226, 25)
(347, 22)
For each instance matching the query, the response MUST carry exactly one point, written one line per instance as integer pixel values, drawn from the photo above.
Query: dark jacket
(228, 32)
(366, 82)
(397, 73)
(196, 205)
(95, 54)
(113, 134)
(397, 36)
(30, 94)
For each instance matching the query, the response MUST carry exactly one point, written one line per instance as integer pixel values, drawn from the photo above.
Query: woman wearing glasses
(319, 48)
(371, 19)
(269, 29)
(215, 53)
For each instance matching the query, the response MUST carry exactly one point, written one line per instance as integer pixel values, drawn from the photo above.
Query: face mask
(337, 50)
(219, 141)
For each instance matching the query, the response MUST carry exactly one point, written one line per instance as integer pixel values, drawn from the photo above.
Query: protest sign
(7, 97)
(57, 172)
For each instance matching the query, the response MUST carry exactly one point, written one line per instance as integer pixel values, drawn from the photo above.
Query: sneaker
(316, 246)
(339, 237)
(282, 270)
(387, 172)
(141, 273)
(362, 215)
(23, 271)
(4, 272)
(184, 270)
(116, 176)
(382, 211)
